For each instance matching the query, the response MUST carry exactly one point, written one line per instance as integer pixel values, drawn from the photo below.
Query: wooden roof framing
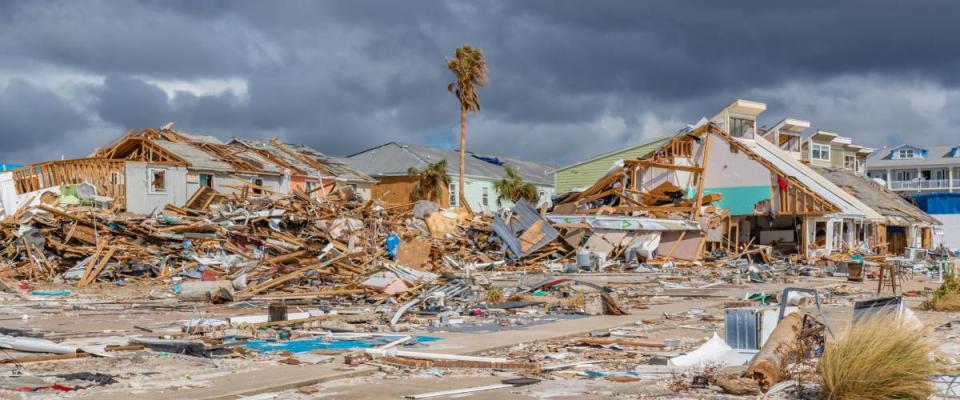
(319, 166)
(143, 149)
(795, 199)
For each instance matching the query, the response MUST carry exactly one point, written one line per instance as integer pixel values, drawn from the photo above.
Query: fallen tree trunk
(782, 347)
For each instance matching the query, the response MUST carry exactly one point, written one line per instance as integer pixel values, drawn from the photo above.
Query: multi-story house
(909, 169)
(828, 149)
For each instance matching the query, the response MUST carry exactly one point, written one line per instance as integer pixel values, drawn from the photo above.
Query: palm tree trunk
(463, 154)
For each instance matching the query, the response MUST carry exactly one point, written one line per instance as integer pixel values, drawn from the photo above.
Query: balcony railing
(921, 185)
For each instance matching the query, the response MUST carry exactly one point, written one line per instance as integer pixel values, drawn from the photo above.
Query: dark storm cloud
(568, 78)
(33, 118)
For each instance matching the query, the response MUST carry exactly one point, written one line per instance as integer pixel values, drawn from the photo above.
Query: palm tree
(431, 180)
(513, 188)
(470, 70)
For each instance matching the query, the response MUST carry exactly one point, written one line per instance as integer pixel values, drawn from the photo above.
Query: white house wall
(8, 194)
(474, 194)
(139, 198)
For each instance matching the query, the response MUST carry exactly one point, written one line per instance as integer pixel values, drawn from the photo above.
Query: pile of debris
(282, 247)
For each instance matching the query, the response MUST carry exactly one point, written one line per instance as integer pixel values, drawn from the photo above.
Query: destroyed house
(703, 174)
(854, 225)
(104, 177)
(902, 224)
(165, 167)
(345, 175)
(309, 170)
(390, 164)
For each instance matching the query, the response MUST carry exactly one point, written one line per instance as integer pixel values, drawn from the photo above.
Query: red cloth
(782, 183)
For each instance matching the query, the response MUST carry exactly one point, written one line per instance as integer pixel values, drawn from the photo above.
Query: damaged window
(206, 180)
(257, 184)
(158, 180)
(486, 196)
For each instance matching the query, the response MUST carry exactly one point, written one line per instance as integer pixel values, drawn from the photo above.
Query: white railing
(904, 185)
(935, 184)
(915, 185)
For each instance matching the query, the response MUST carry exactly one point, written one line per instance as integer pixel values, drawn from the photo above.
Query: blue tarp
(319, 343)
(938, 203)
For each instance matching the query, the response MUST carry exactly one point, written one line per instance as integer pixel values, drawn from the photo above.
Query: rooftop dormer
(786, 135)
(739, 118)
(907, 152)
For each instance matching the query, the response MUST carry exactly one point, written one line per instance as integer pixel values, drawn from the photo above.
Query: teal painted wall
(740, 200)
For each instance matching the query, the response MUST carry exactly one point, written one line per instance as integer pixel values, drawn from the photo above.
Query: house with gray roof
(911, 169)
(389, 164)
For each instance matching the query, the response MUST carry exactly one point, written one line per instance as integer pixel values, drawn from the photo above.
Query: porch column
(919, 179)
(829, 237)
(950, 179)
(889, 178)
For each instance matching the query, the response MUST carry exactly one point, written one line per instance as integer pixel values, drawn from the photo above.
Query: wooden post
(703, 170)
(775, 354)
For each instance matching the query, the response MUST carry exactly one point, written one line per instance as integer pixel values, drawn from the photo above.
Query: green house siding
(589, 172)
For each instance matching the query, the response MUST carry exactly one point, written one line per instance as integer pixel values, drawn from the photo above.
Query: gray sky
(568, 79)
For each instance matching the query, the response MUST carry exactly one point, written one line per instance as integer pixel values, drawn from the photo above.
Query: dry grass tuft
(878, 359)
(494, 295)
(947, 296)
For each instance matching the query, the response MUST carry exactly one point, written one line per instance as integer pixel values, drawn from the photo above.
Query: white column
(829, 236)
(889, 178)
(949, 177)
(919, 179)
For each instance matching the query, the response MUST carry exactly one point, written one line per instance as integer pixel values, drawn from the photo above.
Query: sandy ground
(149, 375)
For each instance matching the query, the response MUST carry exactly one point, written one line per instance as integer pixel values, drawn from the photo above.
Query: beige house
(828, 149)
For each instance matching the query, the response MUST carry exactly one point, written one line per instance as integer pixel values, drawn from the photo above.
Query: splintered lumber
(92, 276)
(255, 289)
(620, 342)
(779, 350)
(531, 236)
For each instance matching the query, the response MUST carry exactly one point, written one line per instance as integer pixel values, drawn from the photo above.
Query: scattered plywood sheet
(604, 243)
(413, 252)
(574, 236)
(531, 236)
(441, 223)
(683, 247)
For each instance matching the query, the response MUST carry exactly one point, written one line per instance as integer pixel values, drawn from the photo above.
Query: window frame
(906, 154)
(485, 196)
(151, 179)
(209, 181)
(740, 126)
(258, 181)
(819, 148)
(453, 201)
(852, 159)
